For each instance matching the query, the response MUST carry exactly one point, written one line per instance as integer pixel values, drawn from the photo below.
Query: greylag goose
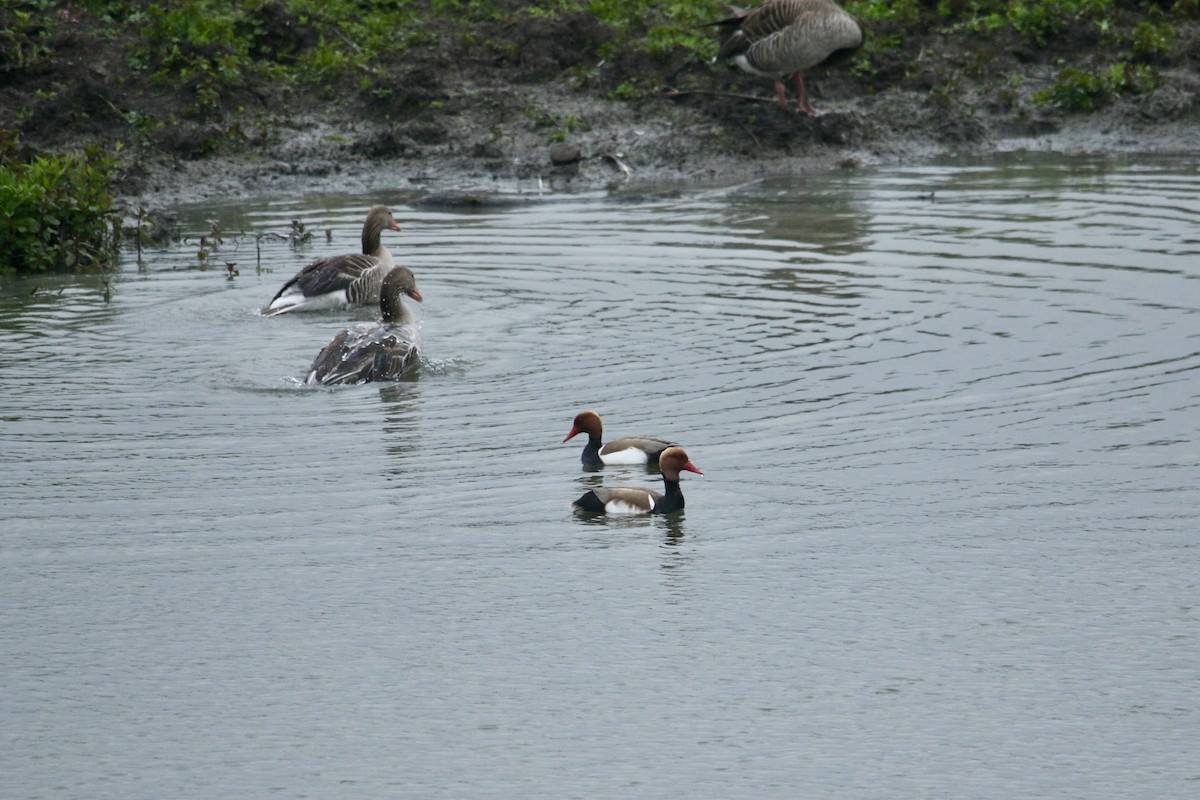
(626, 500)
(380, 351)
(629, 450)
(787, 37)
(346, 280)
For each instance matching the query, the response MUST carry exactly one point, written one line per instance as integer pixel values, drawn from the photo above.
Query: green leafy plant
(24, 34)
(906, 12)
(56, 213)
(1150, 38)
(1075, 89)
(630, 89)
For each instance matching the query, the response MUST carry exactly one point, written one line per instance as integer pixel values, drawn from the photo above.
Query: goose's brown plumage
(353, 279)
(626, 450)
(788, 37)
(629, 500)
(381, 351)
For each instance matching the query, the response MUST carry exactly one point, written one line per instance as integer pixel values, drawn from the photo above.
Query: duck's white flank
(621, 507)
(630, 455)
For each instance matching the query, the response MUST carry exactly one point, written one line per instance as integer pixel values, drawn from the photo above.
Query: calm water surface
(946, 544)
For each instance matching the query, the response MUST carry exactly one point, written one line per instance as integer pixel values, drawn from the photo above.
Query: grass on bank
(218, 45)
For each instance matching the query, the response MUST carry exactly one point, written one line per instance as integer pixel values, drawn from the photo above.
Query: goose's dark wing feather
(367, 353)
(326, 275)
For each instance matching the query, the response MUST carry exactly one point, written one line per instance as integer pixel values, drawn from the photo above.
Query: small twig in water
(671, 93)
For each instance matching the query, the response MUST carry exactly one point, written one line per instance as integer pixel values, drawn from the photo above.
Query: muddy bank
(491, 136)
(629, 146)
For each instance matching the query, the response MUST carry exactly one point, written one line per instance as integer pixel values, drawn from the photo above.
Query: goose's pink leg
(802, 97)
(780, 94)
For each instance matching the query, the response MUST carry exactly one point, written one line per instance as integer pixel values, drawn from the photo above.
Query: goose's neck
(384, 256)
(395, 311)
(370, 240)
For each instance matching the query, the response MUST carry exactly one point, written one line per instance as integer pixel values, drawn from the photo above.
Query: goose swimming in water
(352, 279)
(380, 351)
(788, 37)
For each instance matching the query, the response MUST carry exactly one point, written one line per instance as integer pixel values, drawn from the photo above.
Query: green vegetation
(658, 28)
(1078, 89)
(22, 35)
(56, 213)
(215, 49)
(559, 127)
(1116, 42)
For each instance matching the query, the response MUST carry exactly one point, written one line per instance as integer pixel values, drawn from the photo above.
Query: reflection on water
(401, 432)
(822, 222)
(948, 421)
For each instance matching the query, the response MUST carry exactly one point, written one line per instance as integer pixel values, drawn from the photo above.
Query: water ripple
(947, 416)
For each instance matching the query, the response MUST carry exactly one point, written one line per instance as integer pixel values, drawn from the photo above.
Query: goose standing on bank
(380, 351)
(787, 37)
(629, 450)
(346, 280)
(625, 500)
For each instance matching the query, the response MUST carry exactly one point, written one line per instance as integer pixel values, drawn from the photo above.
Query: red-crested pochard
(787, 37)
(380, 351)
(625, 500)
(628, 450)
(338, 281)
